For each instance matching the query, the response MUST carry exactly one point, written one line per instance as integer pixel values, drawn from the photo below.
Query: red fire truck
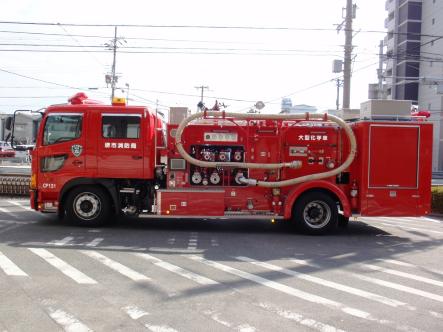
(92, 161)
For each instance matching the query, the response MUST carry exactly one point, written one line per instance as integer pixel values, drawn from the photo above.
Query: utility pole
(339, 83)
(114, 78)
(380, 71)
(350, 14)
(202, 88)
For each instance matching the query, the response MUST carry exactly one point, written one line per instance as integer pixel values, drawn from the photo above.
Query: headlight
(52, 163)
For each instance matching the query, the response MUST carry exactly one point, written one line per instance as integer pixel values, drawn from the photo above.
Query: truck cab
(95, 145)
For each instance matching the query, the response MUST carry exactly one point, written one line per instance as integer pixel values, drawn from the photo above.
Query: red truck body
(80, 157)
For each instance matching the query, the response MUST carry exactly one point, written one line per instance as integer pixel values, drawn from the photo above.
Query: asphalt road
(164, 276)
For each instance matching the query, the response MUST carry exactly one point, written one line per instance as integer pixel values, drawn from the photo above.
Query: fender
(107, 184)
(320, 184)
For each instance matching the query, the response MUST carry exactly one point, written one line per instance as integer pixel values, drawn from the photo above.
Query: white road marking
(309, 322)
(61, 242)
(6, 211)
(432, 220)
(177, 270)
(326, 283)
(67, 321)
(160, 328)
(395, 262)
(399, 287)
(395, 225)
(214, 242)
(404, 275)
(120, 268)
(63, 267)
(342, 256)
(400, 263)
(304, 262)
(215, 316)
(95, 242)
(135, 312)
(175, 250)
(436, 314)
(10, 268)
(20, 205)
(292, 291)
(422, 221)
(245, 328)
(192, 242)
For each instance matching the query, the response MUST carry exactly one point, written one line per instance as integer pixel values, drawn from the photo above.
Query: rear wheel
(88, 206)
(315, 213)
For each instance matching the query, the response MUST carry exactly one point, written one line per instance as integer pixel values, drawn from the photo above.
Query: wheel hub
(87, 206)
(317, 214)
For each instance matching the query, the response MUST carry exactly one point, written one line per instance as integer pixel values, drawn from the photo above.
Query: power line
(129, 38)
(165, 52)
(83, 47)
(220, 27)
(171, 48)
(31, 97)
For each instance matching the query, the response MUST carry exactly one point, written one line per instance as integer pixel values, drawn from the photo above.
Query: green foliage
(437, 199)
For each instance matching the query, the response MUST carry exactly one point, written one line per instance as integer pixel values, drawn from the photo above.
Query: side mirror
(8, 123)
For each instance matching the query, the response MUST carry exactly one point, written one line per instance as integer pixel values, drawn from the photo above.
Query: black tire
(315, 213)
(343, 221)
(88, 206)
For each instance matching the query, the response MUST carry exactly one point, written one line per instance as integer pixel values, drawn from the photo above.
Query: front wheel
(315, 213)
(88, 206)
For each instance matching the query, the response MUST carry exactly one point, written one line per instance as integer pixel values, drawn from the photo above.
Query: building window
(433, 21)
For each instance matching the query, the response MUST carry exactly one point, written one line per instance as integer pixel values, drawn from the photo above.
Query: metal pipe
(294, 164)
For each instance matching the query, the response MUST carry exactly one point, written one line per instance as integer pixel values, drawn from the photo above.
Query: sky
(163, 65)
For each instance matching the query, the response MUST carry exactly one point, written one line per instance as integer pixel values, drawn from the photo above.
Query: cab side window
(62, 128)
(121, 126)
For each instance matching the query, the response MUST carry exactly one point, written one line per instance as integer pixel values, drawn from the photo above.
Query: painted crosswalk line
(355, 312)
(177, 270)
(67, 321)
(300, 319)
(403, 274)
(10, 268)
(63, 267)
(134, 312)
(118, 267)
(399, 287)
(326, 283)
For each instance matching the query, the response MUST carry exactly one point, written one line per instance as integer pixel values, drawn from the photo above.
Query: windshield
(62, 128)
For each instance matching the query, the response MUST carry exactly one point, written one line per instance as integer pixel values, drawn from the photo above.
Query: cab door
(62, 152)
(120, 146)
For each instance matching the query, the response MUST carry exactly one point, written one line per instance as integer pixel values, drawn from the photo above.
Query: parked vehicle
(6, 151)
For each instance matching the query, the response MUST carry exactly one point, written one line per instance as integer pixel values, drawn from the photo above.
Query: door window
(62, 128)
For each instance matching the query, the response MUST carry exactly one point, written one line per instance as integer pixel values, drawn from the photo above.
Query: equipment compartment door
(393, 168)
(120, 148)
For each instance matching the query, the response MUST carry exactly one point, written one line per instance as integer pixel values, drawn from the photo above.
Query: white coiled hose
(294, 164)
